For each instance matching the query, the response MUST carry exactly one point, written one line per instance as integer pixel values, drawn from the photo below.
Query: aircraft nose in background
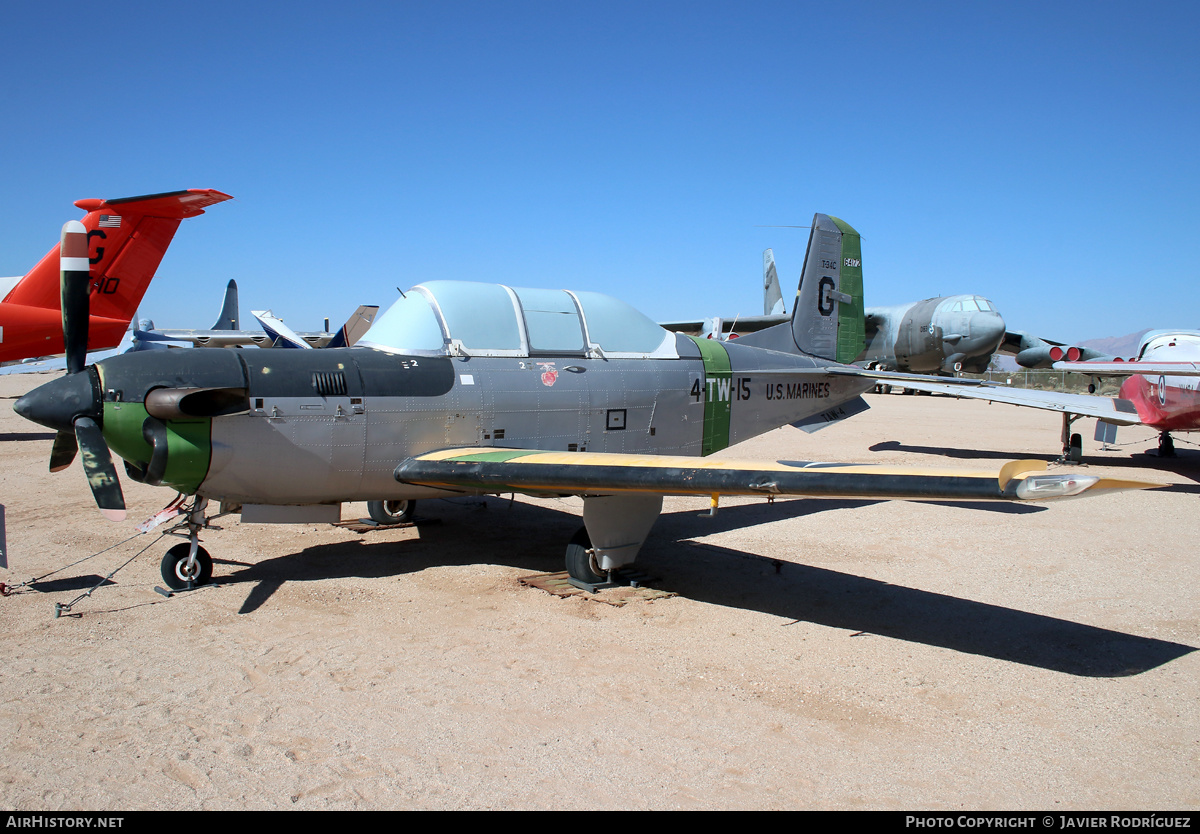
(987, 329)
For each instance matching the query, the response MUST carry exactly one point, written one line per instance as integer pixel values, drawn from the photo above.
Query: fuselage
(326, 426)
(938, 335)
(1167, 403)
(27, 332)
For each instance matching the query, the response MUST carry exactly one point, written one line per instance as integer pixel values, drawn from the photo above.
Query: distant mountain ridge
(1123, 346)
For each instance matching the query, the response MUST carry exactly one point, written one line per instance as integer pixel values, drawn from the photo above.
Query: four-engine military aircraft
(126, 239)
(474, 388)
(938, 336)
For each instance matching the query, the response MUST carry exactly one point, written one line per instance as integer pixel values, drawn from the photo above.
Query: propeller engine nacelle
(71, 405)
(75, 405)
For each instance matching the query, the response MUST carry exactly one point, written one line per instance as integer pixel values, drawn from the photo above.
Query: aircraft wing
(597, 473)
(741, 324)
(1109, 409)
(228, 338)
(902, 376)
(207, 338)
(1016, 341)
(1131, 368)
(348, 334)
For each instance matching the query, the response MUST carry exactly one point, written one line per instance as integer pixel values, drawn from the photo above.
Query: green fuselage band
(717, 389)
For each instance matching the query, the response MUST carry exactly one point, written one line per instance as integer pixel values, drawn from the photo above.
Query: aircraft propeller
(71, 404)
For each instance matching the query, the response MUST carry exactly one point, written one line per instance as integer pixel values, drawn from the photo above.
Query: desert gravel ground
(814, 654)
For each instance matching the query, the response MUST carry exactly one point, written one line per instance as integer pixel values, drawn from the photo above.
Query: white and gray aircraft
(471, 388)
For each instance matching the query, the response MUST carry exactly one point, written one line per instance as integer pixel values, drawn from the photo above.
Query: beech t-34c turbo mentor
(126, 240)
(481, 388)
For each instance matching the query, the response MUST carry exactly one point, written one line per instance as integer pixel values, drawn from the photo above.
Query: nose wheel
(180, 571)
(187, 565)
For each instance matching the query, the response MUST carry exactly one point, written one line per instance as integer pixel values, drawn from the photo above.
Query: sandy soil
(815, 654)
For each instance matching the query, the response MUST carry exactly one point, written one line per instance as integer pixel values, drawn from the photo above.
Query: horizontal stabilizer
(834, 415)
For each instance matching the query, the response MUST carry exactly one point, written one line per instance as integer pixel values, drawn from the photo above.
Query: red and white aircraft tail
(127, 239)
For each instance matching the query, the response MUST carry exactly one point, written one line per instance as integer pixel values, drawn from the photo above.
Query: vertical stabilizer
(127, 238)
(827, 320)
(354, 328)
(772, 294)
(228, 320)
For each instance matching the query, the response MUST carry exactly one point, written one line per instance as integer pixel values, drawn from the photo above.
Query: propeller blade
(74, 278)
(63, 451)
(101, 474)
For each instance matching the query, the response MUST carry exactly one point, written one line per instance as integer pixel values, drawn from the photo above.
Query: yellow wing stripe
(1012, 469)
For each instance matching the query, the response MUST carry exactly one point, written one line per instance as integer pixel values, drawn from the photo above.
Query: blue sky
(1041, 154)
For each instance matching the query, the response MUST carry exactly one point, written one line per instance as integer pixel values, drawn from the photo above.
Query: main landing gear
(581, 560)
(615, 527)
(1166, 446)
(1072, 442)
(391, 512)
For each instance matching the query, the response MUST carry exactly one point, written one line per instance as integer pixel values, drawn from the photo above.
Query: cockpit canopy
(467, 318)
(972, 304)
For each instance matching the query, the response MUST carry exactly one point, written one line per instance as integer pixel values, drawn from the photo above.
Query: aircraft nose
(988, 329)
(56, 404)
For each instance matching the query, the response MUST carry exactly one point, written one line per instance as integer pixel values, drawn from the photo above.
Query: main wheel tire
(391, 512)
(1166, 446)
(1075, 448)
(581, 565)
(174, 567)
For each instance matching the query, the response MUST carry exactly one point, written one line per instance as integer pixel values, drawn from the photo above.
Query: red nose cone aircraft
(126, 241)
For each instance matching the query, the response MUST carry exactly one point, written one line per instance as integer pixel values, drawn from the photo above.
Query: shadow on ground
(532, 538)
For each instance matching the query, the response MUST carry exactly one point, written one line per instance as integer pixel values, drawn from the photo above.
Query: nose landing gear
(183, 570)
(187, 565)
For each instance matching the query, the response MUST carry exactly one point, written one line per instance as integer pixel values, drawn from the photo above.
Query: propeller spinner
(71, 404)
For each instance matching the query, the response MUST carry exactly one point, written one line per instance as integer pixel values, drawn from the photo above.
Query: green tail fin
(828, 317)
